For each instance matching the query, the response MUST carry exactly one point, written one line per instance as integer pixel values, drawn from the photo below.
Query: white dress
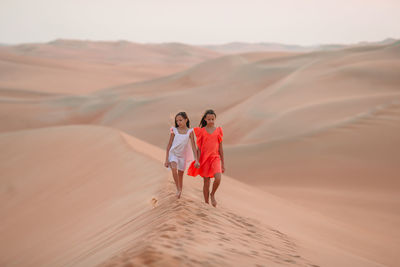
(181, 150)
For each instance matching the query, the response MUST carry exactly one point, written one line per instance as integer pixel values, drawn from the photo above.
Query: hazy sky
(302, 22)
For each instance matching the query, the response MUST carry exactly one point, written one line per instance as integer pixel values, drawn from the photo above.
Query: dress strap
(173, 130)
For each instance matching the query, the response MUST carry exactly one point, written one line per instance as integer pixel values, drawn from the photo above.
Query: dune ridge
(192, 233)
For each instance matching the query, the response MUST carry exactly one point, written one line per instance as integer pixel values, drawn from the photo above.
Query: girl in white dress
(180, 151)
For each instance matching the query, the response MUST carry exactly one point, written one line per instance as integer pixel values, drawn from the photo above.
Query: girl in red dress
(210, 155)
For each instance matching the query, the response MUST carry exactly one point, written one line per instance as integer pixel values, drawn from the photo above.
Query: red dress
(210, 160)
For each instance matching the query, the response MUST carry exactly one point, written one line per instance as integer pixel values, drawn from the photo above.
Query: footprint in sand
(154, 202)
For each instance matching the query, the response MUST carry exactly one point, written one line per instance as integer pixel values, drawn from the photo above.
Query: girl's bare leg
(206, 189)
(175, 175)
(216, 183)
(180, 182)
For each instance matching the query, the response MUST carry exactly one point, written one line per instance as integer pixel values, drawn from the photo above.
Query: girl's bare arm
(194, 147)
(221, 153)
(171, 139)
(195, 150)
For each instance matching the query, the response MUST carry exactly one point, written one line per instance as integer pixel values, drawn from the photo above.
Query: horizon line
(207, 44)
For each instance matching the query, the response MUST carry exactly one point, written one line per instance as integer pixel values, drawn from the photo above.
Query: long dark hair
(203, 122)
(183, 115)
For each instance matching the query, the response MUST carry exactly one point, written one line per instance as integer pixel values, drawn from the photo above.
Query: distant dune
(310, 138)
(240, 47)
(79, 67)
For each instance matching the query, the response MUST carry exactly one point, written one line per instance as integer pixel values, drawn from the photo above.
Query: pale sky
(303, 22)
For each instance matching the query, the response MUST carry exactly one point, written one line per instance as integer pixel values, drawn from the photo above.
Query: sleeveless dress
(181, 151)
(210, 160)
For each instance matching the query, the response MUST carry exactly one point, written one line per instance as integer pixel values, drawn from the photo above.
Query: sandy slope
(67, 194)
(74, 206)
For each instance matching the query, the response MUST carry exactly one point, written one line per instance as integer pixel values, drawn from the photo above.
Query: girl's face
(210, 118)
(180, 121)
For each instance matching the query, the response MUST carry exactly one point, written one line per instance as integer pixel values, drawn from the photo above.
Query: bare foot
(213, 201)
(178, 193)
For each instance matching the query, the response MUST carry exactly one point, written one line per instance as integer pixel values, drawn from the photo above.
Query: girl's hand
(166, 164)
(223, 168)
(197, 164)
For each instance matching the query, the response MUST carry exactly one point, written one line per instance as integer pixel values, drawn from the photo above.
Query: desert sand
(77, 67)
(311, 145)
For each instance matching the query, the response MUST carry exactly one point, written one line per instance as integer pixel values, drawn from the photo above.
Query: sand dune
(121, 52)
(93, 207)
(79, 67)
(311, 144)
(65, 192)
(240, 47)
(64, 205)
